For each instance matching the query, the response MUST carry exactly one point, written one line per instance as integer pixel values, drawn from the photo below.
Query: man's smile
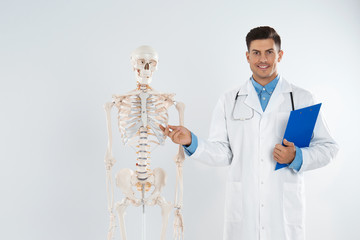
(263, 66)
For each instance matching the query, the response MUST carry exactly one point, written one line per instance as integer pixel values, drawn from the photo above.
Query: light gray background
(60, 61)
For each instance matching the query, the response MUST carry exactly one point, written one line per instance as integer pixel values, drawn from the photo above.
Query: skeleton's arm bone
(109, 160)
(181, 108)
(179, 159)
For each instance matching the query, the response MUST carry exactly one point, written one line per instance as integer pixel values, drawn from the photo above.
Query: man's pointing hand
(178, 134)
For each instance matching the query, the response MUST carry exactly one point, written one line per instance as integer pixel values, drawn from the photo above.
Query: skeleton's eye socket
(153, 63)
(141, 61)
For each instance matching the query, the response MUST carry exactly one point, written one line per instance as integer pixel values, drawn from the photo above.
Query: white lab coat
(262, 203)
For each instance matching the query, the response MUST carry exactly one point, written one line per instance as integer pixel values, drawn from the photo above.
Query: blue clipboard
(300, 127)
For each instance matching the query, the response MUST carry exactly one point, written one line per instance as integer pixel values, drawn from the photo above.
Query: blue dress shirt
(264, 94)
(189, 150)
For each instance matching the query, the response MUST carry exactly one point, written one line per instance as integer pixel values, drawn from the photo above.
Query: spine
(143, 156)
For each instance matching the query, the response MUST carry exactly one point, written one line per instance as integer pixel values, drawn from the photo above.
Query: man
(246, 131)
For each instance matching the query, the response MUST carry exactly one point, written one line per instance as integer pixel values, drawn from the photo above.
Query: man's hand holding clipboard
(300, 128)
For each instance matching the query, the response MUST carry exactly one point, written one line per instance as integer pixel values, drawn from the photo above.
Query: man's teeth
(263, 66)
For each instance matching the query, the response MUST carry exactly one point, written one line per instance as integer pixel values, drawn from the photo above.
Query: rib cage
(129, 117)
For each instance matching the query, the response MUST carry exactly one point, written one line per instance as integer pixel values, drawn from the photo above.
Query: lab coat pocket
(280, 124)
(233, 202)
(293, 204)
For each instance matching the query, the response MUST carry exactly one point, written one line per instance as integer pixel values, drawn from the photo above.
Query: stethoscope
(251, 114)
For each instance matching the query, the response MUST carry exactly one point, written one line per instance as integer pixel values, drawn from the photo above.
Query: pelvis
(127, 180)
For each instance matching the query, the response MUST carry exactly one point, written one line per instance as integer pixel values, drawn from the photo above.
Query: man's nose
(263, 58)
(146, 66)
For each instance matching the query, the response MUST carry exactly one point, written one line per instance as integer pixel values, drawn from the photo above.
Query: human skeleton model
(139, 114)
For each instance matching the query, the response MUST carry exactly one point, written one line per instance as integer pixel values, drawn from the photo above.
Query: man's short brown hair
(263, 32)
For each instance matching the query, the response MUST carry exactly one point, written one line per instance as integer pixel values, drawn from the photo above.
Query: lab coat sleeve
(322, 149)
(216, 150)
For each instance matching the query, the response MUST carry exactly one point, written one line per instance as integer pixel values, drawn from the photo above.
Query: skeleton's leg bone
(120, 208)
(155, 198)
(166, 208)
(125, 180)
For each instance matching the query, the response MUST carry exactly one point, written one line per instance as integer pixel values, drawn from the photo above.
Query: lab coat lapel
(252, 99)
(277, 96)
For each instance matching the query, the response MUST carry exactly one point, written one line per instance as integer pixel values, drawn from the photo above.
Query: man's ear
(247, 56)
(281, 53)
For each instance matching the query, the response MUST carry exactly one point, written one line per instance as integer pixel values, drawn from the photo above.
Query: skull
(144, 60)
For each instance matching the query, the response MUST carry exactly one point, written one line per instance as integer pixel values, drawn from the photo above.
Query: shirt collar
(269, 88)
